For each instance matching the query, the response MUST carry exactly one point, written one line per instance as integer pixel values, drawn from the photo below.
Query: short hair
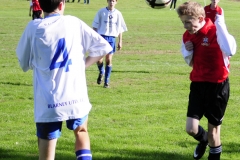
(191, 9)
(49, 6)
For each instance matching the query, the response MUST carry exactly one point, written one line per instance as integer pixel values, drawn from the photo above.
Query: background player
(35, 9)
(213, 9)
(109, 23)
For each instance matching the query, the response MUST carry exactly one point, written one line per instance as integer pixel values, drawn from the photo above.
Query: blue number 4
(61, 50)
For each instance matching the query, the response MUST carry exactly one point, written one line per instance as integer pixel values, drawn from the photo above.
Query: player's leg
(214, 142)
(171, 4)
(82, 140)
(47, 149)
(82, 137)
(197, 132)
(33, 15)
(109, 56)
(100, 66)
(175, 1)
(47, 134)
(196, 110)
(108, 69)
(215, 113)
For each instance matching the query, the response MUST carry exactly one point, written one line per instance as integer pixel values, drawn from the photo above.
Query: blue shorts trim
(112, 41)
(52, 130)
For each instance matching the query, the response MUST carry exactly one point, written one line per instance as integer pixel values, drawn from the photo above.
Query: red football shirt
(36, 5)
(208, 62)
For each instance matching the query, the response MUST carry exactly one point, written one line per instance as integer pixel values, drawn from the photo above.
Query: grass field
(142, 116)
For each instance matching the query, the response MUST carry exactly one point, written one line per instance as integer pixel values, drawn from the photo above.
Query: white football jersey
(109, 23)
(55, 48)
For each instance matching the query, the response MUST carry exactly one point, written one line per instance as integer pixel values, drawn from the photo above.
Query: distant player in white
(109, 23)
(54, 48)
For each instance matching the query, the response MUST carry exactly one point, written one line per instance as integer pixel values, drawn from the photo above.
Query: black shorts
(36, 14)
(208, 99)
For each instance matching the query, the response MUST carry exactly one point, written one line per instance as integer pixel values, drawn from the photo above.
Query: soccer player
(213, 9)
(86, 1)
(173, 2)
(54, 48)
(35, 9)
(207, 48)
(73, 1)
(109, 23)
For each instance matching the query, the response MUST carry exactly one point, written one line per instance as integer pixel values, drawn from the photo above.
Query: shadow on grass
(16, 84)
(132, 71)
(113, 154)
(126, 155)
(139, 155)
(124, 71)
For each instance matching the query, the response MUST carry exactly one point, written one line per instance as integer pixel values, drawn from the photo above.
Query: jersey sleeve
(96, 20)
(94, 43)
(24, 49)
(187, 55)
(226, 41)
(123, 26)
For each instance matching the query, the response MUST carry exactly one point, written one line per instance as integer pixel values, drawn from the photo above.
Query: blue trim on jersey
(52, 15)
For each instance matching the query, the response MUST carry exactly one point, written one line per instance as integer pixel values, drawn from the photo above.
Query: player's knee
(100, 62)
(80, 129)
(109, 64)
(212, 136)
(108, 61)
(191, 131)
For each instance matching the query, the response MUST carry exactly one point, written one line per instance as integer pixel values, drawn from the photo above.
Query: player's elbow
(24, 67)
(230, 50)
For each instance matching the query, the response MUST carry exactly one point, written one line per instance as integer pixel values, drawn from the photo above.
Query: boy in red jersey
(213, 9)
(207, 48)
(35, 9)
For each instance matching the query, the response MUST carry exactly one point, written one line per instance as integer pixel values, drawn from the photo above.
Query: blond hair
(191, 9)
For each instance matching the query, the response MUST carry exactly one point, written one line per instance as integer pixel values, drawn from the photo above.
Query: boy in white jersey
(109, 23)
(54, 48)
(207, 48)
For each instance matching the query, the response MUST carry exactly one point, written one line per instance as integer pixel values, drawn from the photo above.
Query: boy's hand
(188, 46)
(119, 46)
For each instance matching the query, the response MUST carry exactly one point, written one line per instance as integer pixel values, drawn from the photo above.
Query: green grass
(142, 116)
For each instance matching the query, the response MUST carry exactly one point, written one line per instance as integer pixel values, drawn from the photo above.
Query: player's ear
(60, 6)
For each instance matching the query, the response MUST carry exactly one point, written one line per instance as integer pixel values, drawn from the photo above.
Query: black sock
(201, 136)
(215, 153)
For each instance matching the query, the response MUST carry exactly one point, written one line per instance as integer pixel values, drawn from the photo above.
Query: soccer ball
(158, 4)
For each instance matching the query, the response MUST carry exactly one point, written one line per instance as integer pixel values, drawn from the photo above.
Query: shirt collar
(208, 25)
